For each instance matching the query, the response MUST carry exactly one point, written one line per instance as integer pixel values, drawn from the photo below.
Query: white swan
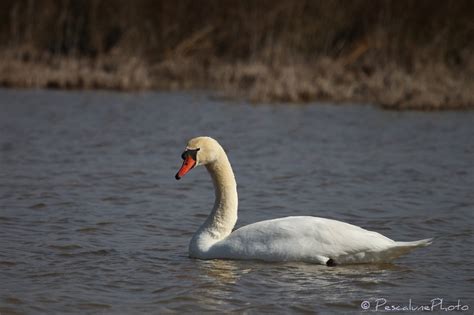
(303, 238)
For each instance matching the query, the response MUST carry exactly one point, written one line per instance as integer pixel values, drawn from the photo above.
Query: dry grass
(72, 72)
(433, 87)
(401, 54)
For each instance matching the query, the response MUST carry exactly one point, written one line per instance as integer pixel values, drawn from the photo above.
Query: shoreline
(433, 86)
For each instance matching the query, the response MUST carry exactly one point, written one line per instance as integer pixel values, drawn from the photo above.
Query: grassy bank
(399, 54)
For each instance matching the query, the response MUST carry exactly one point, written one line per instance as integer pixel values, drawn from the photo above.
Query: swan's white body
(308, 239)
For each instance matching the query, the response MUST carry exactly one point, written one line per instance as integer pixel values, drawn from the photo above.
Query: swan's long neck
(223, 217)
(224, 213)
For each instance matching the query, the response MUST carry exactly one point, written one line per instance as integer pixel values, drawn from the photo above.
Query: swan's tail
(414, 244)
(402, 248)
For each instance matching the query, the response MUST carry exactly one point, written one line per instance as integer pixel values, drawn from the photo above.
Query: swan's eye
(191, 153)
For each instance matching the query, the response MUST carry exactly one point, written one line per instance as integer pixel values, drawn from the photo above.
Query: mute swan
(302, 238)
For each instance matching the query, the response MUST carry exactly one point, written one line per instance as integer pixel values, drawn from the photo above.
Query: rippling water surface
(93, 221)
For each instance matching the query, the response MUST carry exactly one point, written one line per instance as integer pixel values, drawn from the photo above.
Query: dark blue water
(93, 221)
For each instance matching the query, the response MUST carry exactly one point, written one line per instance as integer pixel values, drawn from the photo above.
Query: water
(93, 221)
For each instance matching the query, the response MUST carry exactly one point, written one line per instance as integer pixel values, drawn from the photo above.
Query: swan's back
(310, 239)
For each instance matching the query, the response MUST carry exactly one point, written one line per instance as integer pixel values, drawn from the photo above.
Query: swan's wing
(301, 238)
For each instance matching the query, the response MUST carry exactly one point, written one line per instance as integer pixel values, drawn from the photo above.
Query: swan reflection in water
(295, 281)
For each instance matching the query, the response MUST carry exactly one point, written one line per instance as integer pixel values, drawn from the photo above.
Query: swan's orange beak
(188, 164)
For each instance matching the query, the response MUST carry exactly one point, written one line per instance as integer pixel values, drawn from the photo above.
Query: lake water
(93, 221)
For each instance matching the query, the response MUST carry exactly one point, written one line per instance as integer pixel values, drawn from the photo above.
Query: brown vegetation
(402, 54)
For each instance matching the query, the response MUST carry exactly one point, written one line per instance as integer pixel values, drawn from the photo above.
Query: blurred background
(400, 54)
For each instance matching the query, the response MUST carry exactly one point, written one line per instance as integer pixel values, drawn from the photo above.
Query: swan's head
(199, 151)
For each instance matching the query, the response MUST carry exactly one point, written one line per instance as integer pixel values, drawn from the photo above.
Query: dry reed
(401, 54)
